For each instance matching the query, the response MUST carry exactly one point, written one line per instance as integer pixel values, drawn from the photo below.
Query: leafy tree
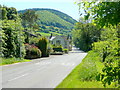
(14, 46)
(106, 14)
(29, 19)
(4, 13)
(84, 35)
(11, 33)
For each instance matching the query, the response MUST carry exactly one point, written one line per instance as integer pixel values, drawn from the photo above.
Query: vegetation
(32, 52)
(29, 23)
(56, 12)
(12, 34)
(52, 21)
(22, 34)
(12, 60)
(65, 50)
(102, 12)
(84, 35)
(84, 75)
(101, 65)
(43, 46)
(49, 18)
(57, 48)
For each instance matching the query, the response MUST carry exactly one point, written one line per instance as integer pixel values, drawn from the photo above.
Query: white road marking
(18, 77)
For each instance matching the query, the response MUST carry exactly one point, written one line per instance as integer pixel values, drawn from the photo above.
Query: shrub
(12, 39)
(33, 40)
(32, 51)
(65, 50)
(42, 45)
(57, 48)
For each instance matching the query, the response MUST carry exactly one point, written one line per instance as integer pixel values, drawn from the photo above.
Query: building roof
(52, 38)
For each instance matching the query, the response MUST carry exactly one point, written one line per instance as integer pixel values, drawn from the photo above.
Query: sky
(66, 6)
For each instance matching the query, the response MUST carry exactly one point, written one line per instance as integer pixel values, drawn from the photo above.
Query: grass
(45, 34)
(48, 34)
(84, 75)
(5, 61)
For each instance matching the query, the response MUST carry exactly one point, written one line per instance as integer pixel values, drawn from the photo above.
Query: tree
(106, 14)
(84, 35)
(14, 40)
(29, 19)
(4, 13)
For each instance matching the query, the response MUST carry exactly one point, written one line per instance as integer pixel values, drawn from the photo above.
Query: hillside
(53, 21)
(51, 17)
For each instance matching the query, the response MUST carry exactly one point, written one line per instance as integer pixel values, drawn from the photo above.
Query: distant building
(65, 42)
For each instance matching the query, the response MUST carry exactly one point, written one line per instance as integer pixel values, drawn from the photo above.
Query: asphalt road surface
(41, 73)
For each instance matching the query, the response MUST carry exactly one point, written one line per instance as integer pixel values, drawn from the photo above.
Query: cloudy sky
(66, 6)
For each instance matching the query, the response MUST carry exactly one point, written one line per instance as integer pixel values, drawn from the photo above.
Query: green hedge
(43, 46)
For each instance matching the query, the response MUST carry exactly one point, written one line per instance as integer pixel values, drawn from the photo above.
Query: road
(41, 73)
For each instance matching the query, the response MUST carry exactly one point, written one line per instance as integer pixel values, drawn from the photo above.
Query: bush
(42, 45)
(32, 52)
(65, 50)
(58, 48)
(12, 39)
(33, 40)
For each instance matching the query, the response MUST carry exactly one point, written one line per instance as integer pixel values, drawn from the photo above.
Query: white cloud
(38, 1)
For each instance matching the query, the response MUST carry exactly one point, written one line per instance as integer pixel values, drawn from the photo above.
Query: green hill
(51, 17)
(53, 21)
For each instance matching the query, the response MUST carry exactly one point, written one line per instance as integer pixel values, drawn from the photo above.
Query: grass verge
(84, 75)
(5, 61)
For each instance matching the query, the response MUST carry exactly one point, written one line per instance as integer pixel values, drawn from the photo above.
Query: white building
(64, 41)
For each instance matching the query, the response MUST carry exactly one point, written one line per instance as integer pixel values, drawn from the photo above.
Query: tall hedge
(14, 40)
(42, 45)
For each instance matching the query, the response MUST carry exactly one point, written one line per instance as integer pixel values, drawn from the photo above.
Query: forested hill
(51, 17)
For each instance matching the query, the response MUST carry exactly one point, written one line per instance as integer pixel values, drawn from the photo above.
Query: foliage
(106, 14)
(109, 55)
(43, 46)
(8, 13)
(57, 48)
(2, 42)
(28, 18)
(84, 35)
(65, 50)
(55, 12)
(33, 40)
(14, 38)
(11, 33)
(84, 75)
(52, 21)
(102, 12)
(49, 18)
(32, 51)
